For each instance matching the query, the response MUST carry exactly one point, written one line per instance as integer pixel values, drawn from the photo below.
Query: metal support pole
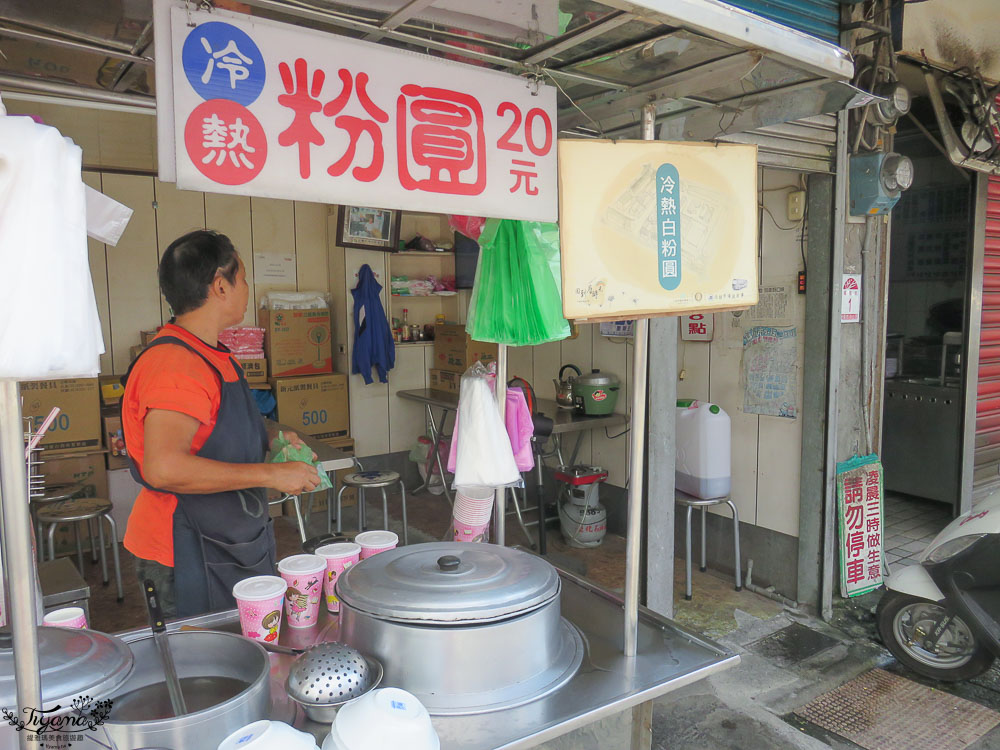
(19, 558)
(500, 500)
(637, 452)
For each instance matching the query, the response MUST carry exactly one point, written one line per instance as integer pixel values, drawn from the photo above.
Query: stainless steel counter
(668, 658)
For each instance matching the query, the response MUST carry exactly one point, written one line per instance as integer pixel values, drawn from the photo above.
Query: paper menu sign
(652, 228)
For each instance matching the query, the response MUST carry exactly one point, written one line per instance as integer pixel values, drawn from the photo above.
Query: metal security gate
(986, 472)
(806, 145)
(819, 18)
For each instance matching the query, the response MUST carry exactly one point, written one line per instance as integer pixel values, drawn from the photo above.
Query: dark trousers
(162, 577)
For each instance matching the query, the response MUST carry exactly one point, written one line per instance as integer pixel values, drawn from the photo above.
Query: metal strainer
(328, 675)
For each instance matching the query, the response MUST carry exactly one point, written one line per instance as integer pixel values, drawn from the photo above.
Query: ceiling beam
(55, 41)
(576, 37)
(398, 18)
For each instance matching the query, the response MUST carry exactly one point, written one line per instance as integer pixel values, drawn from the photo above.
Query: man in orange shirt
(197, 442)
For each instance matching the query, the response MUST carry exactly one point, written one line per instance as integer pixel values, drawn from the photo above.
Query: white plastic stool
(691, 503)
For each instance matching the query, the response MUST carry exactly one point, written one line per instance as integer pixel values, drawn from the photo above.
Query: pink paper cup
(304, 575)
(67, 617)
(373, 542)
(258, 600)
(339, 557)
(469, 532)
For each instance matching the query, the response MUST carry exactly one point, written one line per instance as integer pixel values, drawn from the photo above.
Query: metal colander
(328, 675)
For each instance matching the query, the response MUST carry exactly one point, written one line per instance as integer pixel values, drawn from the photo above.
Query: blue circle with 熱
(223, 62)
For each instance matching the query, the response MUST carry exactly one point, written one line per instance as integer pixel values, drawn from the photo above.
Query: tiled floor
(910, 524)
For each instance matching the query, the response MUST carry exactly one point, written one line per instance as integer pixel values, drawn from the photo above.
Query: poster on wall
(651, 228)
(698, 327)
(268, 109)
(769, 357)
(860, 518)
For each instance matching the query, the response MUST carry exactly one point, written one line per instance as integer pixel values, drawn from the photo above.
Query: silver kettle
(564, 388)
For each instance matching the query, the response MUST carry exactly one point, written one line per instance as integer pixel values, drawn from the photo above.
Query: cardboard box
(62, 467)
(145, 337)
(114, 441)
(296, 342)
(78, 425)
(135, 351)
(454, 351)
(112, 389)
(314, 405)
(350, 497)
(444, 380)
(255, 370)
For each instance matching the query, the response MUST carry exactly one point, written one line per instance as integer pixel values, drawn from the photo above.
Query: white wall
(766, 450)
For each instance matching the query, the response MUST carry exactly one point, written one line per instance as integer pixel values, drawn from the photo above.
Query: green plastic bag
(282, 451)
(516, 299)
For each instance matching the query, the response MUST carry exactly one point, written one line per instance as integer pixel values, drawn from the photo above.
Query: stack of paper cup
(259, 602)
(67, 617)
(472, 514)
(373, 542)
(304, 575)
(339, 557)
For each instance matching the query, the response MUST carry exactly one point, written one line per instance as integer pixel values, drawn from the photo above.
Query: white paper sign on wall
(850, 299)
(698, 327)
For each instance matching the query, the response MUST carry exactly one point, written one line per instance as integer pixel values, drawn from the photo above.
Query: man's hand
(294, 477)
(294, 439)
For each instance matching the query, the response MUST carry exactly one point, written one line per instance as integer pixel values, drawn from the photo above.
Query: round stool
(370, 480)
(81, 509)
(691, 503)
(53, 493)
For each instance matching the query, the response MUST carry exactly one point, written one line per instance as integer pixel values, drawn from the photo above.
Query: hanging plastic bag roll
(483, 455)
(517, 299)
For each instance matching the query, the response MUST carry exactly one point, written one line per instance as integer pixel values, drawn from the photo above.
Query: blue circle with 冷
(223, 62)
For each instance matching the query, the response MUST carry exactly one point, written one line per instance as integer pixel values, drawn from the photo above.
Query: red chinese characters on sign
(356, 127)
(225, 142)
(302, 99)
(440, 141)
(525, 171)
(862, 530)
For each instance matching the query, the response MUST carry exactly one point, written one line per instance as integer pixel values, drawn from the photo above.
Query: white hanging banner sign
(269, 109)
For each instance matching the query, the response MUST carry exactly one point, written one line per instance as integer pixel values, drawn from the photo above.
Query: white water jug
(703, 449)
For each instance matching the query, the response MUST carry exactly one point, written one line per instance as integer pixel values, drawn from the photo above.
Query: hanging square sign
(651, 228)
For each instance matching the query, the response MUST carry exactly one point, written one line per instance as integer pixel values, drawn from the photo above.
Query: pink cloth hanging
(520, 429)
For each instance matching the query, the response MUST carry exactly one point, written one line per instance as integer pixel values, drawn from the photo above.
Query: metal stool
(84, 509)
(53, 493)
(696, 502)
(371, 480)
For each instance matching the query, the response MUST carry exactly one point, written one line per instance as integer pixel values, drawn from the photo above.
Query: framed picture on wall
(368, 228)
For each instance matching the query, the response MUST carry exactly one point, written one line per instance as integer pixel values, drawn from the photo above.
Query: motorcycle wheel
(904, 622)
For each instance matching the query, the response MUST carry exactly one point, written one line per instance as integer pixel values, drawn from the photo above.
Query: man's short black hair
(189, 266)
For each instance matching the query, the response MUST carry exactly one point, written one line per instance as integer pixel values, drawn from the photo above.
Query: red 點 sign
(268, 109)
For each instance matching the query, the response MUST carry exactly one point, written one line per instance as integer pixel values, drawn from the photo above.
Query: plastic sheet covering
(516, 299)
(49, 327)
(483, 456)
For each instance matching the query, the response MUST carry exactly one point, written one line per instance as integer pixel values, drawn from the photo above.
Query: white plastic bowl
(385, 718)
(268, 735)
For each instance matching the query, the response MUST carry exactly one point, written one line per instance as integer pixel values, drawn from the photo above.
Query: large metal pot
(78, 668)
(225, 679)
(466, 628)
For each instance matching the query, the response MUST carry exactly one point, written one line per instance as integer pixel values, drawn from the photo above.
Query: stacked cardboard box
(314, 405)
(297, 342)
(454, 351)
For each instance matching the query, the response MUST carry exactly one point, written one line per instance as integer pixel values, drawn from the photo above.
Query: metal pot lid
(596, 377)
(73, 663)
(449, 583)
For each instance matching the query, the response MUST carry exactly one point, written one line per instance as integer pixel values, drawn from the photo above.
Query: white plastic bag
(483, 455)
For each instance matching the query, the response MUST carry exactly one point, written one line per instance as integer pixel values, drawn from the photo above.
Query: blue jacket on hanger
(373, 344)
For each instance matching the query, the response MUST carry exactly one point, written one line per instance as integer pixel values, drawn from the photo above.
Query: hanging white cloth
(49, 325)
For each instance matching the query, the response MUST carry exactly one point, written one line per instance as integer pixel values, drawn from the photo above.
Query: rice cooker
(596, 393)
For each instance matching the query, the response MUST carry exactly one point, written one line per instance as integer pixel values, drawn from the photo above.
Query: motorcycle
(941, 618)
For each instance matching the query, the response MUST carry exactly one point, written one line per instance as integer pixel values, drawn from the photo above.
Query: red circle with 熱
(225, 142)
